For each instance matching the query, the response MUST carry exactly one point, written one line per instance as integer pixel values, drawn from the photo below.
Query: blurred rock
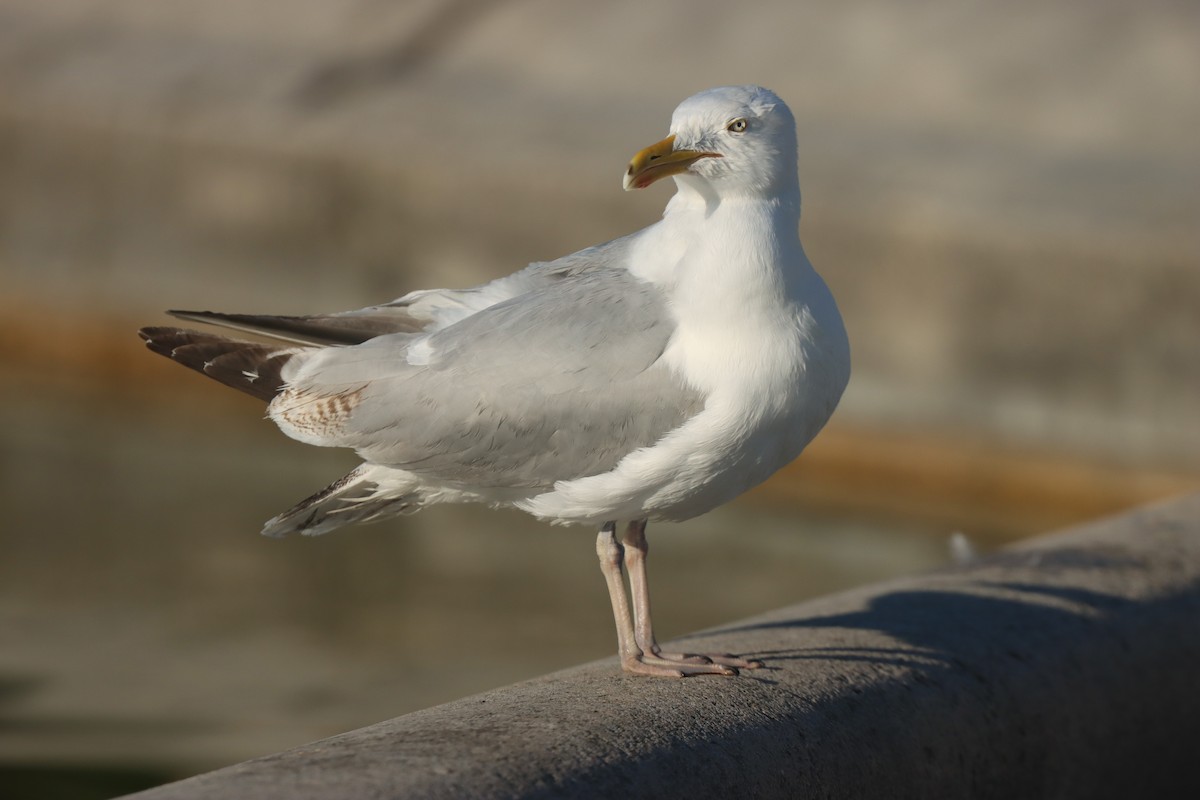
(1003, 197)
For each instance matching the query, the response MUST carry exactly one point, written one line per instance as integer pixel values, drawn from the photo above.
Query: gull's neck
(722, 245)
(697, 195)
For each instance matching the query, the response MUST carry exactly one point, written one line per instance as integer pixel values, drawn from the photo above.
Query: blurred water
(147, 626)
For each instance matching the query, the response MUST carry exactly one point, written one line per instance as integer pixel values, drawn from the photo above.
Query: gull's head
(731, 141)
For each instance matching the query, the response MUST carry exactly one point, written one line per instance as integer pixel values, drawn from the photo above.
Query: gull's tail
(251, 367)
(368, 493)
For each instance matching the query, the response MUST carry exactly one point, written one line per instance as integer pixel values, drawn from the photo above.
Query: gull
(653, 377)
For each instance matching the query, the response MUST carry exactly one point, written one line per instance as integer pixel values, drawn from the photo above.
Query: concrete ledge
(1069, 667)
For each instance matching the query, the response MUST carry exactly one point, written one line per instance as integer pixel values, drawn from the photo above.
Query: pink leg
(633, 659)
(636, 551)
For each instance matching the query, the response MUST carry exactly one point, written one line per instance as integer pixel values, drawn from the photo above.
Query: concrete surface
(1065, 668)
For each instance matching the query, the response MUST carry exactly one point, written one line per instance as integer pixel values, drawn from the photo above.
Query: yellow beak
(660, 160)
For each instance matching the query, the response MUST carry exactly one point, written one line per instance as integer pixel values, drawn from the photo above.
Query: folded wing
(555, 384)
(549, 374)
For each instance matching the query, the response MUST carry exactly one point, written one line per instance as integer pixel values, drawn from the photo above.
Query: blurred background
(1003, 197)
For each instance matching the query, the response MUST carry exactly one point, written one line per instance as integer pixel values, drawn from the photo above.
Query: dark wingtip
(255, 369)
(159, 339)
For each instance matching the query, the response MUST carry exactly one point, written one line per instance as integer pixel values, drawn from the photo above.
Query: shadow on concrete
(962, 630)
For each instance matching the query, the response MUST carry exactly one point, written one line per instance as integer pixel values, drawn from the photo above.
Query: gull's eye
(736, 126)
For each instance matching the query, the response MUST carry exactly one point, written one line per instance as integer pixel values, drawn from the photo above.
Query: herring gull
(655, 376)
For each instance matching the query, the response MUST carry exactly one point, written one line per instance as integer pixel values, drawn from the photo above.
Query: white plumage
(653, 377)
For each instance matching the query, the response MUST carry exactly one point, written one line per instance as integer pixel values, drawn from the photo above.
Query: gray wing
(558, 383)
(415, 312)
